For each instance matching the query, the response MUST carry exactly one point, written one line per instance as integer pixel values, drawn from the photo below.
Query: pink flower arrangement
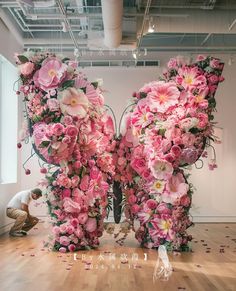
(171, 122)
(72, 130)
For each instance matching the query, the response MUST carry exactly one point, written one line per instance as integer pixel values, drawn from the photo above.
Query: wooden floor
(25, 265)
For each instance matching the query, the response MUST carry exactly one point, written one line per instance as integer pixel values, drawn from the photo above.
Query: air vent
(119, 63)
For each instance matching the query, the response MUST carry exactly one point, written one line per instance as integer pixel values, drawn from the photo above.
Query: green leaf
(143, 94)
(65, 60)
(67, 84)
(44, 144)
(194, 130)
(23, 59)
(95, 84)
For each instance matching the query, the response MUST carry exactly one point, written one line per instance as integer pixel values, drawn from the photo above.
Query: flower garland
(72, 131)
(166, 129)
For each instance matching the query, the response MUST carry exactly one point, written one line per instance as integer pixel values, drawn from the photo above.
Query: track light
(64, 26)
(151, 26)
(135, 54)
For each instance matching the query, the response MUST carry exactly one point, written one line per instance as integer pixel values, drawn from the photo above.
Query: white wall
(214, 199)
(8, 46)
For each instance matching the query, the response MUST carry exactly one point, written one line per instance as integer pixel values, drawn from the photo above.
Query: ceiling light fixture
(64, 26)
(151, 26)
(135, 54)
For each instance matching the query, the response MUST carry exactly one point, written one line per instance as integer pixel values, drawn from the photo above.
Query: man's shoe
(16, 234)
(23, 232)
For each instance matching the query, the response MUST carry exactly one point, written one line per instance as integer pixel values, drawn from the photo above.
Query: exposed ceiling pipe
(11, 27)
(112, 11)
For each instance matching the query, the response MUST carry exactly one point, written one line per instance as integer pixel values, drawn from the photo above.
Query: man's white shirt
(20, 197)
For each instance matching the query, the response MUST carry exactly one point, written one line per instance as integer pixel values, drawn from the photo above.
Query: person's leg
(20, 217)
(29, 223)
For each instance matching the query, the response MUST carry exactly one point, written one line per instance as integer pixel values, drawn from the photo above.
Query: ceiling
(181, 25)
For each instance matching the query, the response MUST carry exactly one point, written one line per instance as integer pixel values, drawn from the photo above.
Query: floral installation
(169, 123)
(72, 133)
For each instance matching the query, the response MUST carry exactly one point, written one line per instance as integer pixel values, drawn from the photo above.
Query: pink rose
(70, 206)
(66, 193)
(74, 222)
(203, 120)
(27, 68)
(84, 183)
(82, 218)
(94, 173)
(139, 165)
(151, 204)
(185, 200)
(53, 104)
(91, 224)
(213, 79)
(172, 64)
(58, 129)
(79, 232)
(132, 199)
(71, 247)
(62, 250)
(188, 139)
(67, 120)
(163, 209)
(71, 130)
(56, 230)
(70, 229)
(135, 208)
(214, 63)
(176, 150)
(64, 240)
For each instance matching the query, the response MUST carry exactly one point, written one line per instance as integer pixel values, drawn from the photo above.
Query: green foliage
(23, 59)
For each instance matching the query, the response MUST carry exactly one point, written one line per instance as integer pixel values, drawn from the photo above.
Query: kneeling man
(18, 209)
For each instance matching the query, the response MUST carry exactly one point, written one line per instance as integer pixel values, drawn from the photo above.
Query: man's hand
(25, 208)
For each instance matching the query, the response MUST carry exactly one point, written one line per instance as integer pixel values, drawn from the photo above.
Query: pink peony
(50, 75)
(91, 224)
(74, 102)
(163, 96)
(27, 68)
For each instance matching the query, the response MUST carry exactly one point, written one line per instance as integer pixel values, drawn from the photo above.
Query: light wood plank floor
(25, 265)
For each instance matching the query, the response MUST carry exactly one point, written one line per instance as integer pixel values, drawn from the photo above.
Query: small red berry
(27, 172)
(17, 92)
(19, 145)
(134, 94)
(43, 170)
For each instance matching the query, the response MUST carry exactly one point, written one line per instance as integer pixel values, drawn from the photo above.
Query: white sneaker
(16, 234)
